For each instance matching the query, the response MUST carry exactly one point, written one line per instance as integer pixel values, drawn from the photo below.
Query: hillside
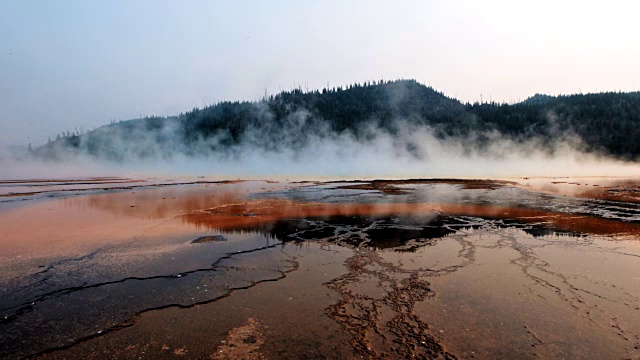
(608, 123)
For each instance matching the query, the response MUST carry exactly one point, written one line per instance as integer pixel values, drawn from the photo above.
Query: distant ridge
(607, 123)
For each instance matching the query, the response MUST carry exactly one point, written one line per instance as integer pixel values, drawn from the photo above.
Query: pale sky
(80, 64)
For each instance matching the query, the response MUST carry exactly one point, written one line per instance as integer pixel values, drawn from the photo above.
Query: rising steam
(301, 145)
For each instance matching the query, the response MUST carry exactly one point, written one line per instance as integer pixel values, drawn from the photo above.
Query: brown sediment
(208, 239)
(624, 193)
(256, 214)
(384, 325)
(599, 188)
(243, 342)
(610, 189)
(158, 204)
(390, 186)
(77, 224)
(52, 227)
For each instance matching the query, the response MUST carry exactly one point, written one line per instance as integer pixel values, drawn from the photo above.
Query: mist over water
(415, 152)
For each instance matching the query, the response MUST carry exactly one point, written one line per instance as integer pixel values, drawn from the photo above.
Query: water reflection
(258, 215)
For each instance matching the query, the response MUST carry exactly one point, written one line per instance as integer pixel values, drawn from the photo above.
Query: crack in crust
(384, 326)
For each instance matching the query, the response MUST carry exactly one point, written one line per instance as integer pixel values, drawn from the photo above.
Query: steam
(305, 147)
(415, 152)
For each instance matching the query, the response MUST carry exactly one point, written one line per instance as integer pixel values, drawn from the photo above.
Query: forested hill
(608, 123)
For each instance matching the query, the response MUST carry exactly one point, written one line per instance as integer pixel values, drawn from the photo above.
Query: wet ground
(424, 268)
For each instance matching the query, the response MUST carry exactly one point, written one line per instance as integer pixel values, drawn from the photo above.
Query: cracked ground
(408, 269)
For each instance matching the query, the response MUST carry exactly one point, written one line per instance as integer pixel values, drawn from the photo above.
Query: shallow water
(435, 269)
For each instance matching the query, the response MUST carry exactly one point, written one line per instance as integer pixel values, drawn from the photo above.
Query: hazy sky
(66, 64)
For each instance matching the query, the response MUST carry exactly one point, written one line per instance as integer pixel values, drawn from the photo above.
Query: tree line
(608, 123)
